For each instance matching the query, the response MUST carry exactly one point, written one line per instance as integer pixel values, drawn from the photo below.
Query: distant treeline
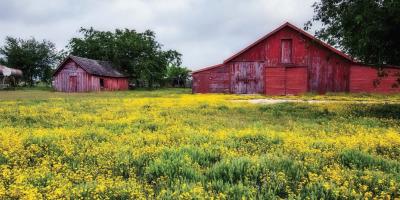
(137, 54)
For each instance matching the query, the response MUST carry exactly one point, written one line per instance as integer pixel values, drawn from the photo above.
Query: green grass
(47, 93)
(171, 144)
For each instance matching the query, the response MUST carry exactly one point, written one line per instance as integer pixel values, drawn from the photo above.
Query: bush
(173, 166)
(359, 160)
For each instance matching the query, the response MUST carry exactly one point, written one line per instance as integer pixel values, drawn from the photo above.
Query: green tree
(139, 54)
(368, 30)
(35, 59)
(177, 76)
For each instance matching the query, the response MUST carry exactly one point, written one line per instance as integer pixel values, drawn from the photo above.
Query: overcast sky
(205, 31)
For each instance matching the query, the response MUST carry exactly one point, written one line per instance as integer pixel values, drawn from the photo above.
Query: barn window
(286, 51)
(102, 83)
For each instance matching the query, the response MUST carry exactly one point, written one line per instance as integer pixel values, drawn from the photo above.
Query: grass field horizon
(171, 144)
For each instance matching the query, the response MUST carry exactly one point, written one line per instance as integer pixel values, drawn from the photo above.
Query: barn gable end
(288, 48)
(286, 31)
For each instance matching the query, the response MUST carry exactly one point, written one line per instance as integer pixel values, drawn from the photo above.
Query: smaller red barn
(77, 74)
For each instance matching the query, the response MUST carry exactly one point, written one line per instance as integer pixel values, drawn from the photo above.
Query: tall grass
(170, 144)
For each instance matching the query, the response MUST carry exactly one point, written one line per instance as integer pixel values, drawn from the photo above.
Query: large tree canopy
(368, 30)
(35, 59)
(139, 54)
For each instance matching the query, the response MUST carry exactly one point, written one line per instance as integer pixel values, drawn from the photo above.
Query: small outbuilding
(9, 76)
(77, 74)
(290, 61)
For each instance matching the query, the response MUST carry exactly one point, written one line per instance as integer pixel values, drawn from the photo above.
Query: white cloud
(205, 31)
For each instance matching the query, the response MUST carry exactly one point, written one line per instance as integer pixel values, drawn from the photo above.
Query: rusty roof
(94, 67)
(11, 71)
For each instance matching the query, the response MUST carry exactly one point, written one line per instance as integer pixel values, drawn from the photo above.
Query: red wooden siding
(286, 80)
(200, 83)
(327, 71)
(111, 84)
(247, 77)
(72, 78)
(73, 84)
(286, 54)
(214, 80)
(269, 49)
(257, 53)
(275, 81)
(367, 79)
(296, 80)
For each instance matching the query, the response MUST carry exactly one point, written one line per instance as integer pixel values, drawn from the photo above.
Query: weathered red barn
(290, 61)
(76, 74)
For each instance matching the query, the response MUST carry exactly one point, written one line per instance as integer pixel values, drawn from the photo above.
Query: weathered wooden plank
(275, 81)
(215, 80)
(296, 80)
(247, 77)
(286, 51)
(367, 79)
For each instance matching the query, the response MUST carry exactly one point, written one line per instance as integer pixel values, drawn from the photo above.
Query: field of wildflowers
(170, 144)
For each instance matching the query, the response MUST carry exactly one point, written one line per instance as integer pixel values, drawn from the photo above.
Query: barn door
(286, 80)
(296, 80)
(247, 78)
(275, 81)
(73, 84)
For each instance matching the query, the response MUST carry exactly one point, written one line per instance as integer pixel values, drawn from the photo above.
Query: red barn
(76, 74)
(290, 61)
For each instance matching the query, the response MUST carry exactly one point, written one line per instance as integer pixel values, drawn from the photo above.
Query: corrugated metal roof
(6, 71)
(95, 67)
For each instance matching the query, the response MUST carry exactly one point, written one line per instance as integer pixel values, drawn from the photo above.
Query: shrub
(3, 159)
(232, 171)
(173, 166)
(254, 143)
(360, 160)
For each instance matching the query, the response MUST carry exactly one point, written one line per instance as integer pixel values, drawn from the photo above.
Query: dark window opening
(286, 51)
(102, 83)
